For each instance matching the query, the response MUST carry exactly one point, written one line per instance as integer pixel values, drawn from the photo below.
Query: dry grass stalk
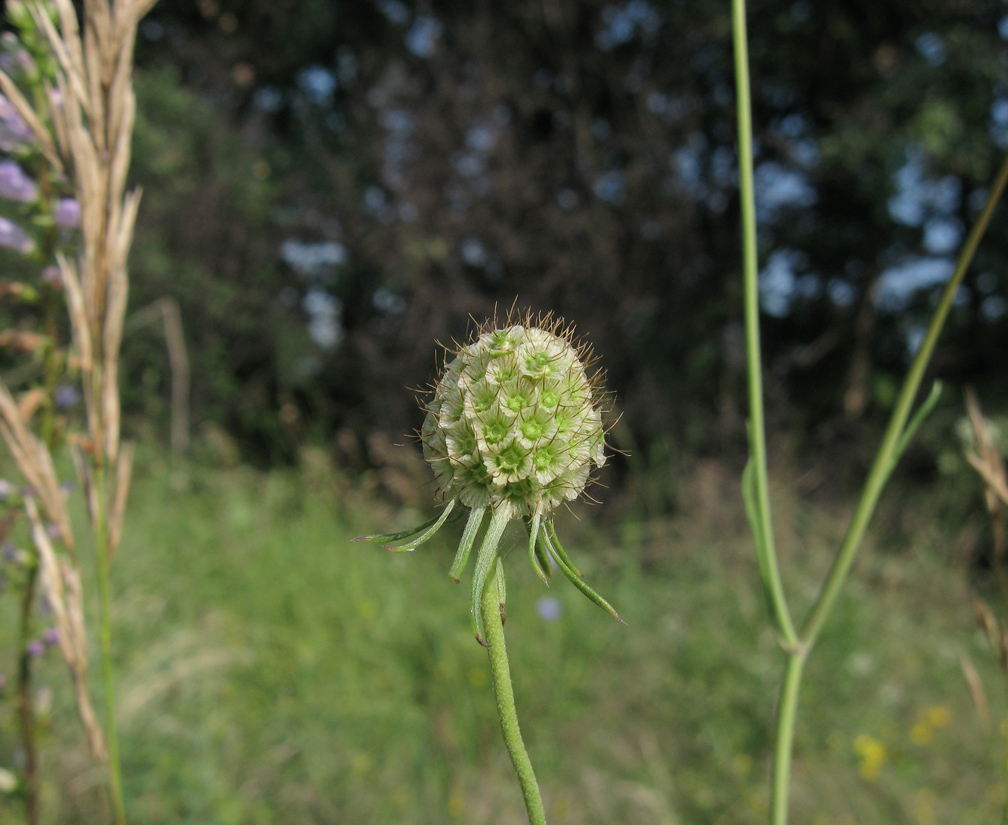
(62, 585)
(987, 460)
(91, 110)
(35, 463)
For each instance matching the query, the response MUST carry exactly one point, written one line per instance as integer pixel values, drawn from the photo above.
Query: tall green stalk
(103, 551)
(899, 431)
(492, 608)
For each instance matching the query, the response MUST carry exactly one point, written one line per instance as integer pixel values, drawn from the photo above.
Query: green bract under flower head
(513, 422)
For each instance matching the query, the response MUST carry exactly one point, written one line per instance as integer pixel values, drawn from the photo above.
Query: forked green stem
(763, 528)
(755, 479)
(493, 621)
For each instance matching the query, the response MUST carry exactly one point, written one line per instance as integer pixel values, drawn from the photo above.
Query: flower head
(513, 428)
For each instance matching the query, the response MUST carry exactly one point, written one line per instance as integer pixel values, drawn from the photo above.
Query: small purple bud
(67, 214)
(51, 637)
(66, 396)
(35, 648)
(53, 529)
(549, 609)
(13, 237)
(10, 552)
(15, 185)
(14, 132)
(52, 276)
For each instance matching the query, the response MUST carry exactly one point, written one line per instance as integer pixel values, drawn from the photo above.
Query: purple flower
(52, 276)
(549, 609)
(10, 552)
(51, 637)
(15, 185)
(35, 648)
(14, 132)
(66, 396)
(67, 213)
(53, 529)
(13, 237)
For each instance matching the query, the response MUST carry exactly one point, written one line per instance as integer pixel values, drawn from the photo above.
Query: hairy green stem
(493, 620)
(757, 430)
(105, 635)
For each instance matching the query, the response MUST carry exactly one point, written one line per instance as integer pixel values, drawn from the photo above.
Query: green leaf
(465, 546)
(484, 563)
(577, 581)
(425, 530)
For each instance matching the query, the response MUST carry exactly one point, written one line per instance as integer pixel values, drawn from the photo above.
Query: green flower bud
(514, 429)
(519, 402)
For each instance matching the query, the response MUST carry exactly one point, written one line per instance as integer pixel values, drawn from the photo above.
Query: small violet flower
(15, 185)
(67, 214)
(66, 396)
(13, 237)
(52, 276)
(14, 132)
(51, 637)
(35, 649)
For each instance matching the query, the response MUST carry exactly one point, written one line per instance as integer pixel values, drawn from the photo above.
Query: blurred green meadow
(272, 671)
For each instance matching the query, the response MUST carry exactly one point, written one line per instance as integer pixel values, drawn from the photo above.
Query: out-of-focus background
(330, 188)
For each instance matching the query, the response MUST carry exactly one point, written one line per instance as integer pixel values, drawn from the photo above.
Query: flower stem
(784, 738)
(105, 636)
(25, 706)
(493, 620)
(757, 431)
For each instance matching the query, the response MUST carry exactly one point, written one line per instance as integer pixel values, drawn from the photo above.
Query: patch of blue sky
(268, 99)
(313, 260)
(611, 187)
(481, 138)
(324, 311)
(993, 308)
(999, 121)
(620, 24)
(778, 282)
(395, 11)
(423, 36)
(942, 235)
(778, 187)
(898, 284)
(918, 197)
(932, 48)
(317, 83)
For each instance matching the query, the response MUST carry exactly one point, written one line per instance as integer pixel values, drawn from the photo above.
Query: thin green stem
(784, 738)
(493, 620)
(105, 635)
(757, 428)
(25, 707)
(883, 465)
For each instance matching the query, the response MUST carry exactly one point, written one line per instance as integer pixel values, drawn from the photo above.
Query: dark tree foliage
(385, 170)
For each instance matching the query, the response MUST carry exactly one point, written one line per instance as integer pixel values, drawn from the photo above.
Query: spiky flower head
(513, 422)
(513, 428)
